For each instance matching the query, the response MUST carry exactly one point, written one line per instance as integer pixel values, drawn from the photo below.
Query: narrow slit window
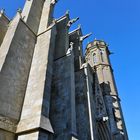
(94, 58)
(102, 57)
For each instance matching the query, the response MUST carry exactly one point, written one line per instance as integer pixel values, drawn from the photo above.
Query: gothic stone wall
(62, 101)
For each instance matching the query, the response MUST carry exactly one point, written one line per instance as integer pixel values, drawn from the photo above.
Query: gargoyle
(72, 21)
(84, 37)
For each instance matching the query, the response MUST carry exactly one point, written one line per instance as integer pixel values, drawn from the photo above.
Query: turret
(97, 55)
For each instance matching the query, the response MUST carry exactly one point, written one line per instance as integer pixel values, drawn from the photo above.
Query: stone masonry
(49, 90)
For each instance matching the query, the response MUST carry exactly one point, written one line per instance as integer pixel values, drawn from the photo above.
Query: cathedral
(49, 89)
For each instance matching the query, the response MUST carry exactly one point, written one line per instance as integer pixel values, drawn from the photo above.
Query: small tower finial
(19, 11)
(2, 11)
(79, 26)
(67, 12)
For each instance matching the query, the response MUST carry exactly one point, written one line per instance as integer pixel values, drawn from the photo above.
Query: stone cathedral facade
(49, 90)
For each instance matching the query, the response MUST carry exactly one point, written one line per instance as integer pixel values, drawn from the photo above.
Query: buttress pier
(49, 90)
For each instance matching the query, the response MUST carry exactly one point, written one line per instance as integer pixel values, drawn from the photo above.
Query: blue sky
(118, 23)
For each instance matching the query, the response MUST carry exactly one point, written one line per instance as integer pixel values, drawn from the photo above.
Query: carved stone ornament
(19, 10)
(70, 49)
(53, 2)
(72, 21)
(100, 108)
